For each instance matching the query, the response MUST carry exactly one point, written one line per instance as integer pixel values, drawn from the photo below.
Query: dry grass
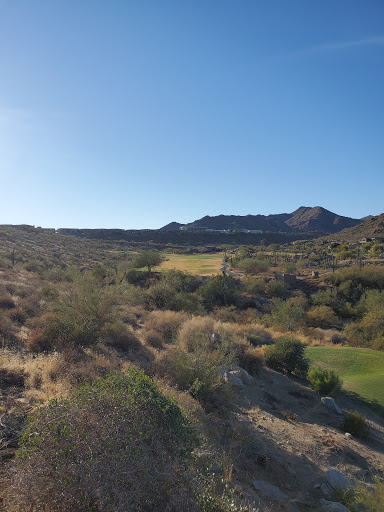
(165, 323)
(52, 375)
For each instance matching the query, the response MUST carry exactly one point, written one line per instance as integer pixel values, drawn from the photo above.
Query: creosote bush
(324, 381)
(287, 356)
(114, 443)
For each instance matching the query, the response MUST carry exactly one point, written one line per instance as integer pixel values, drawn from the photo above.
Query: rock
(348, 435)
(242, 374)
(269, 491)
(233, 380)
(327, 491)
(317, 486)
(330, 403)
(332, 506)
(337, 480)
(250, 494)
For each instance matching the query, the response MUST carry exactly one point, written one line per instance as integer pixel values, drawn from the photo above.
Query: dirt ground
(285, 435)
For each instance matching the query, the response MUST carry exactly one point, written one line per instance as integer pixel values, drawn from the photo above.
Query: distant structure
(287, 279)
(211, 230)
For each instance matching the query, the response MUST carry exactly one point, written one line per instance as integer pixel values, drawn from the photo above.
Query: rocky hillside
(304, 219)
(373, 227)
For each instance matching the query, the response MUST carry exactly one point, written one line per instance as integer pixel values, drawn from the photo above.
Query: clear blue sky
(135, 113)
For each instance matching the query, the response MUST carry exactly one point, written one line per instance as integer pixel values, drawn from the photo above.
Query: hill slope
(373, 227)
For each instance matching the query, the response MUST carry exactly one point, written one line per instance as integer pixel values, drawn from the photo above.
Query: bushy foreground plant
(324, 381)
(114, 445)
(287, 355)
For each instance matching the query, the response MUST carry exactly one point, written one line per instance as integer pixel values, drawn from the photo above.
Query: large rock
(232, 378)
(243, 375)
(330, 403)
(337, 480)
(269, 491)
(332, 506)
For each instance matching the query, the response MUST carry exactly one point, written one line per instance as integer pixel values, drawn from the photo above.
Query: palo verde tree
(147, 259)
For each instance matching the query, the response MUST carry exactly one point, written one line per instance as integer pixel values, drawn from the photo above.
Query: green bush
(370, 499)
(115, 443)
(356, 424)
(324, 381)
(287, 356)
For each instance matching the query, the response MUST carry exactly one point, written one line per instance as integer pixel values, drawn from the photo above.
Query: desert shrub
(252, 265)
(370, 499)
(276, 289)
(364, 332)
(7, 330)
(219, 291)
(31, 305)
(135, 276)
(49, 293)
(120, 336)
(251, 360)
(322, 316)
(6, 302)
(287, 355)
(288, 315)
(254, 285)
(203, 349)
(153, 338)
(255, 334)
(197, 332)
(166, 323)
(17, 315)
(329, 298)
(114, 443)
(324, 381)
(356, 424)
(225, 314)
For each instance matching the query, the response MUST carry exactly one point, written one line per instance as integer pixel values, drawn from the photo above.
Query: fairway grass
(197, 264)
(362, 371)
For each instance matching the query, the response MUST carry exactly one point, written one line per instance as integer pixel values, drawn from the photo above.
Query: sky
(135, 113)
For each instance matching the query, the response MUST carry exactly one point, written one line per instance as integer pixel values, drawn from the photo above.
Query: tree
(147, 259)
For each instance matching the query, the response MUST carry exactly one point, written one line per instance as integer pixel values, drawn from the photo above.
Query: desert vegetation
(124, 381)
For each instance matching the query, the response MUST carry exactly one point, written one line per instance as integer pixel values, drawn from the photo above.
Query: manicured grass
(197, 264)
(362, 370)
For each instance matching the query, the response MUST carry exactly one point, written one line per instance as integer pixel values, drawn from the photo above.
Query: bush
(356, 424)
(324, 381)
(370, 500)
(166, 323)
(276, 289)
(322, 316)
(287, 356)
(114, 443)
(6, 302)
(288, 315)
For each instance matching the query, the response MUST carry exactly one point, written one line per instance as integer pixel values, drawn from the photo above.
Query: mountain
(373, 227)
(172, 226)
(319, 219)
(304, 219)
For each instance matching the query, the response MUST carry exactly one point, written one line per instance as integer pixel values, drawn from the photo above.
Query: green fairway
(198, 264)
(362, 370)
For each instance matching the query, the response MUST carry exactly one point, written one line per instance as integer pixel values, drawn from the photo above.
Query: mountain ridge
(305, 218)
